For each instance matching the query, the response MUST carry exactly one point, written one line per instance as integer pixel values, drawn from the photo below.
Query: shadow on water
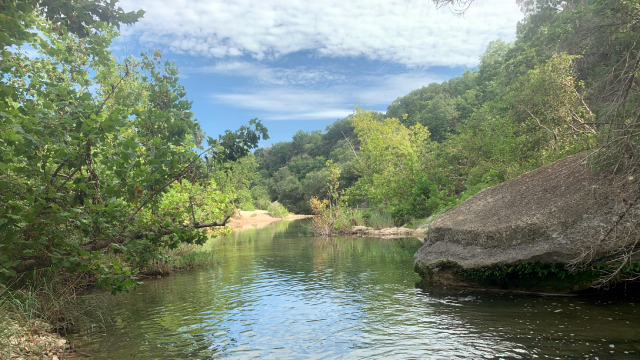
(281, 293)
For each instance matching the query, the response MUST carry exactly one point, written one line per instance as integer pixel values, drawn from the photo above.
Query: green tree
(81, 170)
(389, 161)
(285, 188)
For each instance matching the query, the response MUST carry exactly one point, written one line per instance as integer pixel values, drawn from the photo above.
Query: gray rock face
(545, 215)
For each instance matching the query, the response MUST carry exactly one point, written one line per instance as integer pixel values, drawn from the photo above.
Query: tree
(389, 160)
(550, 96)
(287, 189)
(82, 171)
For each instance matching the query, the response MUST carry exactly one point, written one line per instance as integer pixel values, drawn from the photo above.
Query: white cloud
(261, 73)
(409, 32)
(387, 88)
(333, 102)
(289, 104)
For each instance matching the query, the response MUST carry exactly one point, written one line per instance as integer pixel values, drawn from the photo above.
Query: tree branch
(143, 202)
(32, 264)
(555, 136)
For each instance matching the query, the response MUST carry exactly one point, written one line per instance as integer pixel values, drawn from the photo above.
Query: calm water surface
(279, 293)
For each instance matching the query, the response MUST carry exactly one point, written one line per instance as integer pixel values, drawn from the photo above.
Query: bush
(378, 220)
(260, 197)
(247, 207)
(184, 257)
(277, 210)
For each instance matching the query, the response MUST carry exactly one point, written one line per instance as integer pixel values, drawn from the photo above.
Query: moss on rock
(526, 276)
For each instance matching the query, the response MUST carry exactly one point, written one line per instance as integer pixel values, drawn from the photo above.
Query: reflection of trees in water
(557, 327)
(370, 281)
(266, 233)
(344, 262)
(171, 313)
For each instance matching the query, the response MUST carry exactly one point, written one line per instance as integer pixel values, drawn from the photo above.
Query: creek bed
(279, 293)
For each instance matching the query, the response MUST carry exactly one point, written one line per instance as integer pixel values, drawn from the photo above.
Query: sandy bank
(257, 219)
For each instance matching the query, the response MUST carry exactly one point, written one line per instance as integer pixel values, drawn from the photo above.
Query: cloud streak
(300, 75)
(332, 102)
(409, 32)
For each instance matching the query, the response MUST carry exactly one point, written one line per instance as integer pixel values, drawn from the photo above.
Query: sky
(301, 65)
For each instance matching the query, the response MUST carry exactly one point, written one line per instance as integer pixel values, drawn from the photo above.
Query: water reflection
(279, 293)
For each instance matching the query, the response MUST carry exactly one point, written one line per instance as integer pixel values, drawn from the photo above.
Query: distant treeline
(565, 84)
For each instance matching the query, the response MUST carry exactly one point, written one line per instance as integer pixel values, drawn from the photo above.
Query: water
(280, 294)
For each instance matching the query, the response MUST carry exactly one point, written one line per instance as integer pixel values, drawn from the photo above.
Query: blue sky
(300, 65)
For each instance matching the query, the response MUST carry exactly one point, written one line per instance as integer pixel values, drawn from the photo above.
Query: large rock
(546, 215)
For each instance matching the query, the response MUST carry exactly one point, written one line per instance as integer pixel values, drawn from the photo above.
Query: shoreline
(384, 233)
(258, 219)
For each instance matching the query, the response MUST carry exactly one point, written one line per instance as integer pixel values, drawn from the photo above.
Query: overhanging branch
(32, 264)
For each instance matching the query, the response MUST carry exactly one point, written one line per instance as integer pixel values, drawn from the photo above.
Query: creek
(280, 293)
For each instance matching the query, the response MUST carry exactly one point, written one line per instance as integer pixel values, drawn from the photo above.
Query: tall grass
(340, 222)
(364, 217)
(56, 298)
(185, 257)
(378, 220)
(278, 210)
(40, 303)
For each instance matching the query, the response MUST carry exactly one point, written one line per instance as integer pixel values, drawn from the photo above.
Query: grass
(378, 220)
(34, 306)
(364, 217)
(185, 257)
(278, 210)
(324, 225)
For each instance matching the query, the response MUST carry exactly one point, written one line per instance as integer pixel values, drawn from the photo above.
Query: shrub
(277, 210)
(379, 220)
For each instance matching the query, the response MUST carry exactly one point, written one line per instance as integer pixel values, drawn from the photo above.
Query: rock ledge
(543, 216)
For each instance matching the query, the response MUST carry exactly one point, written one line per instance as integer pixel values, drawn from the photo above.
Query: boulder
(547, 215)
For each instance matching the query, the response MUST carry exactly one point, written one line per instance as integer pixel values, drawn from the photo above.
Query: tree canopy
(96, 154)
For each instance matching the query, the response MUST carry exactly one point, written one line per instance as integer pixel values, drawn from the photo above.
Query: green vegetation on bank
(568, 83)
(102, 157)
(528, 103)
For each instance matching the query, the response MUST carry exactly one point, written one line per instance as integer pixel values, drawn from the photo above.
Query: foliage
(277, 210)
(328, 211)
(90, 148)
(260, 197)
(184, 257)
(549, 97)
(391, 157)
(305, 160)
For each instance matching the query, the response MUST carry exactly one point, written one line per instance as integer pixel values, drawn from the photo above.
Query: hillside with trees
(568, 83)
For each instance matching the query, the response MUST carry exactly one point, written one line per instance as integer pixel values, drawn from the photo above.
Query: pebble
(34, 341)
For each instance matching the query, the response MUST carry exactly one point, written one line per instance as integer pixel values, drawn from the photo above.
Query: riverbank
(33, 340)
(358, 287)
(258, 219)
(384, 233)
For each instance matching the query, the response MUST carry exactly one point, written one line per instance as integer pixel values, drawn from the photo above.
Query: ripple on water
(278, 295)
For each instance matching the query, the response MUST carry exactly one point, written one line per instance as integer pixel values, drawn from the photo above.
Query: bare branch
(555, 136)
